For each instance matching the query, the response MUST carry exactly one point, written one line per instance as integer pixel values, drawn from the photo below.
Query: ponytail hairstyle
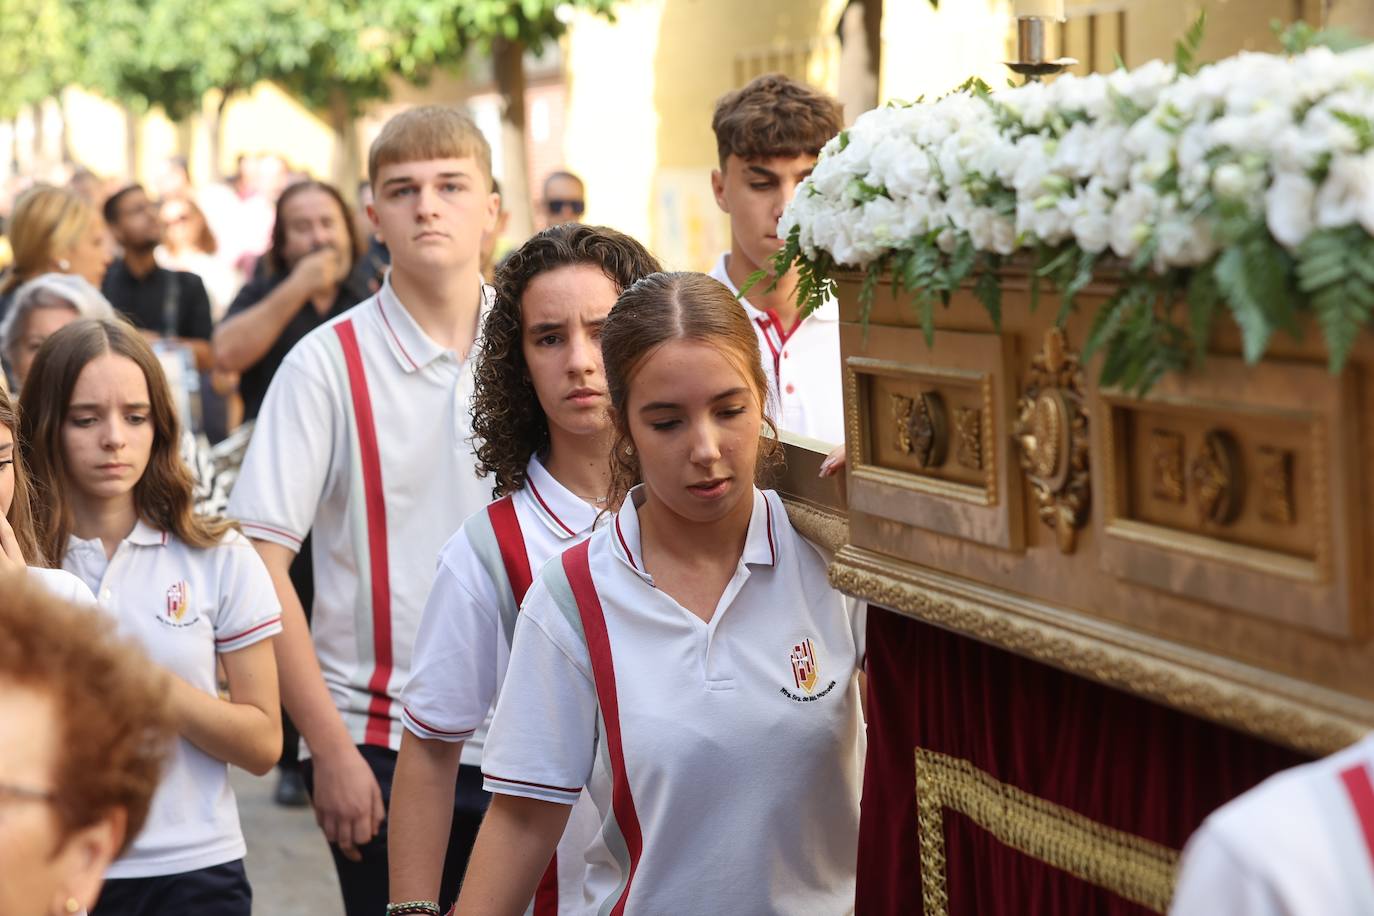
(507, 422)
(20, 515)
(164, 495)
(677, 306)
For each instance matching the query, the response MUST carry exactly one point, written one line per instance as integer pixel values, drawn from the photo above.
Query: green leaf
(988, 289)
(1300, 36)
(1343, 311)
(1107, 321)
(749, 283)
(1246, 306)
(1077, 282)
(1186, 48)
(1202, 300)
(1359, 125)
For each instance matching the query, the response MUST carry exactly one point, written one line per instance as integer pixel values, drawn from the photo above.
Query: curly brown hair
(678, 306)
(114, 727)
(164, 496)
(20, 515)
(774, 116)
(508, 424)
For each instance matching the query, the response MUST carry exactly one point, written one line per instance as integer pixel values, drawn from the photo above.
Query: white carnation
(1288, 208)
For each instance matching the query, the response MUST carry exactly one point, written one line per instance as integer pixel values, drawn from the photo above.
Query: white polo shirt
(803, 366)
(185, 606)
(1301, 843)
(724, 758)
(363, 438)
(63, 584)
(465, 635)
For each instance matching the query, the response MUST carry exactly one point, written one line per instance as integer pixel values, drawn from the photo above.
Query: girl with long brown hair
(114, 506)
(688, 664)
(540, 417)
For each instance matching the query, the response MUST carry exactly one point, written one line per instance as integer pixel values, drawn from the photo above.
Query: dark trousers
(303, 578)
(220, 890)
(364, 884)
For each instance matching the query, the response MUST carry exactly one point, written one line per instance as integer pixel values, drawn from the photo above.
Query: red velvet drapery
(1120, 761)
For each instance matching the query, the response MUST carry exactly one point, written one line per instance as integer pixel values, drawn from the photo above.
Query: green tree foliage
(36, 59)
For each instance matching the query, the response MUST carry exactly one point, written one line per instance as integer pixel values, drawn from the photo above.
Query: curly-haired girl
(540, 416)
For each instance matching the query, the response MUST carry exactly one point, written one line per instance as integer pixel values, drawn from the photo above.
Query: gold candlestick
(1031, 46)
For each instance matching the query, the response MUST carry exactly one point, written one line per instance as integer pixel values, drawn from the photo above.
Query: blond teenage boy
(768, 136)
(363, 439)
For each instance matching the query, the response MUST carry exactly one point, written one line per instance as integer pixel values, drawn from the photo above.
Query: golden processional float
(1109, 396)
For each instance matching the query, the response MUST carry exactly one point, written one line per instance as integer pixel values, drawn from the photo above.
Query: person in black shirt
(168, 304)
(314, 274)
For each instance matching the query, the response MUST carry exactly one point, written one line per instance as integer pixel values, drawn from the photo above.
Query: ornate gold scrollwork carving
(968, 422)
(922, 427)
(1052, 430)
(1276, 485)
(901, 414)
(1217, 472)
(1166, 464)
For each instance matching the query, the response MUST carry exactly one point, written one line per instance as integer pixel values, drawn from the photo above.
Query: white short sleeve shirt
(803, 366)
(738, 744)
(1295, 845)
(463, 646)
(364, 439)
(185, 606)
(63, 584)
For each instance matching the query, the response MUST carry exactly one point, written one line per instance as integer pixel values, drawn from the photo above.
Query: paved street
(288, 861)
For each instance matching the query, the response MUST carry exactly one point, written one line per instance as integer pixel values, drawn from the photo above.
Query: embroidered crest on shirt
(806, 673)
(178, 603)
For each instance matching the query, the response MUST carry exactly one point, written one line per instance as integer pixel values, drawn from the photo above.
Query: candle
(1038, 9)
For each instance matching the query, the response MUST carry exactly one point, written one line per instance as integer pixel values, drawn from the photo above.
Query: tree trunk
(66, 139)
(217, 136)
(348, 164)
(40, 159)
(133, 142)
(186, 135)
(509, 59)
(873, 29)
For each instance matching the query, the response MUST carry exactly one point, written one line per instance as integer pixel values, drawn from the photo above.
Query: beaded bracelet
(413, 908)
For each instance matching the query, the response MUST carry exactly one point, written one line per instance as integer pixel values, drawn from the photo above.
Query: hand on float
(834, 462)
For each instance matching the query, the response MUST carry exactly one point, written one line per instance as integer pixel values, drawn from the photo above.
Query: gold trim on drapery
(1127, 865)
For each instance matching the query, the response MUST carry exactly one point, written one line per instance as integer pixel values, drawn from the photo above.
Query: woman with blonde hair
(54, 229)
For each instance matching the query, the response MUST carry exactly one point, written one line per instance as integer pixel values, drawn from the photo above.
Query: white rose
(1131, 217)
(1288, 208)
(1348, 184)
(1089, 215)
(1230, 181)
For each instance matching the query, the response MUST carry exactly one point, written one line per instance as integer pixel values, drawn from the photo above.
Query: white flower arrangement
(1248, 185)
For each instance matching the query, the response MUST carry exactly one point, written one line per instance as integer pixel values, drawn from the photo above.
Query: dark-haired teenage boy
(768, 135)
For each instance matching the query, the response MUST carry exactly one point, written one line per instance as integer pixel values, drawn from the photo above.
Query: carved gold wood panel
(1236, 487)
(1208, 549)
(928, 438)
